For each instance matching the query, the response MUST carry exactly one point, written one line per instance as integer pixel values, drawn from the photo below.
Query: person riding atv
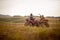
(31, 17)
(43, 19)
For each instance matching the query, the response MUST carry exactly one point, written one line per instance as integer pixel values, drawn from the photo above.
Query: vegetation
(18, 31)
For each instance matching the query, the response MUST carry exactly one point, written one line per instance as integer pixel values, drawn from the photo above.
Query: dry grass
(17, 31)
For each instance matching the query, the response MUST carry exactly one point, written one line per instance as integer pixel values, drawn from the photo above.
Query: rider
(42, 18)
(31, 17)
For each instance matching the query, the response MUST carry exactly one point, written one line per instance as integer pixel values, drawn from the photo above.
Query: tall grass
(17, 31)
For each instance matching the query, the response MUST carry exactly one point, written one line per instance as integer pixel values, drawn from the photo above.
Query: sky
(25, 7)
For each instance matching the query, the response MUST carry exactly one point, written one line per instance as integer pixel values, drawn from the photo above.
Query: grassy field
(18, 31)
